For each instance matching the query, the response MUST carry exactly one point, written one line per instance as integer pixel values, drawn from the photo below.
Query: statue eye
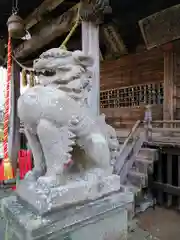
(64, 69)
(49, 73)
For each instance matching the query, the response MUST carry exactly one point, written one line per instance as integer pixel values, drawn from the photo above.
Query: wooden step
(148, 153)
(128, 187)
(137, 179)
(126, 159)
(144, 165)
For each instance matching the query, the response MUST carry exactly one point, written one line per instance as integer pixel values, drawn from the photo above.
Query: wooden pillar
(14, 123)
(90, 45)
(148, 123)
(169, 75)
(160, 178)
(179, 180)
(169, 177)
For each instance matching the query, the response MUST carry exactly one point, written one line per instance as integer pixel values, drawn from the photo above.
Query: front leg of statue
(56, 143)
(39, 161)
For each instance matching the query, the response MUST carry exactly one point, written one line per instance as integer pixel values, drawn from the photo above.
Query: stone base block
(44, 198)
(102, 219)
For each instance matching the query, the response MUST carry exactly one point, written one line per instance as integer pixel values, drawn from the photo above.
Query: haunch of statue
(60, 127)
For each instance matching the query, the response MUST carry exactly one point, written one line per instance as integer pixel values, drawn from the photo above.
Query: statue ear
(83, 59)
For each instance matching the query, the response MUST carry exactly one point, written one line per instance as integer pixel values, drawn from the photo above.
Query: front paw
(47, 182)
(30, 177)
(33, 175)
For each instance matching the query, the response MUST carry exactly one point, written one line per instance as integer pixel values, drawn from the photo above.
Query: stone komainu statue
(59, 124)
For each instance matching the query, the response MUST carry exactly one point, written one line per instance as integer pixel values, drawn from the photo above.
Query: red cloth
(2, 172)
(25, 162)
(25, 165)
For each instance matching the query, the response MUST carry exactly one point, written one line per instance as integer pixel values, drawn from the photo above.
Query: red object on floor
(25, 165)
(25, 162)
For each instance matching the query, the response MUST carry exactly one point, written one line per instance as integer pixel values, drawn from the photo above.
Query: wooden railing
(129, 150)
(140, 133)
(130, 136)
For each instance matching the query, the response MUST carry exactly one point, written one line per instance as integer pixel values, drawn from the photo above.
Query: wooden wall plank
(126, 117)
(169, 75)
(133, 69)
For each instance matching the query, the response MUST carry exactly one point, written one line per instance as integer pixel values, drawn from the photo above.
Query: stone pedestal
(43, 197)
(101, 219)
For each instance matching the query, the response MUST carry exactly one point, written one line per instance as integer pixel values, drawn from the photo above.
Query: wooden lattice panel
(132, 96)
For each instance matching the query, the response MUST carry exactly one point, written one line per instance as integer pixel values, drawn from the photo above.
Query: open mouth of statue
(47, 73)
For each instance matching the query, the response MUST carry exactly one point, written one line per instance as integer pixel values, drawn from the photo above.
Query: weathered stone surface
(45, 198)
(100, 219)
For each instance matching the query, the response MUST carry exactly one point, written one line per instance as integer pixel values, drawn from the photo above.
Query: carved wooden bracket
(94, 10)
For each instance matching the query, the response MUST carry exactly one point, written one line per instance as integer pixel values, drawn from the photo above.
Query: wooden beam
(167, 188)
(14, 135)
(36, 15)
(113, 40)
(48, 33)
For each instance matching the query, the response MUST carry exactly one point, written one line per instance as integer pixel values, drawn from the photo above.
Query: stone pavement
(162, 223)
(2, 228)
(3, 193)
(139, 234)
(136, 233)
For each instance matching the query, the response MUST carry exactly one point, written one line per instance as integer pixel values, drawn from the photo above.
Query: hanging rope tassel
(31, 79)
(24, 78)
(8, 171)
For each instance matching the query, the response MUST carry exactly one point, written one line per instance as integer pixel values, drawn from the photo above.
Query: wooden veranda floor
(160, 136)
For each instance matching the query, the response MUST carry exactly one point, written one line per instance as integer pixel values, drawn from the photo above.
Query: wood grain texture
(126, 117)
(134, 69)
(55, 28)
(147, 67)
(169, 77)
(36, 15)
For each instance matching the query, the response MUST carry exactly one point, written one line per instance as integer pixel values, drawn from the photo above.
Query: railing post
(148, 123)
